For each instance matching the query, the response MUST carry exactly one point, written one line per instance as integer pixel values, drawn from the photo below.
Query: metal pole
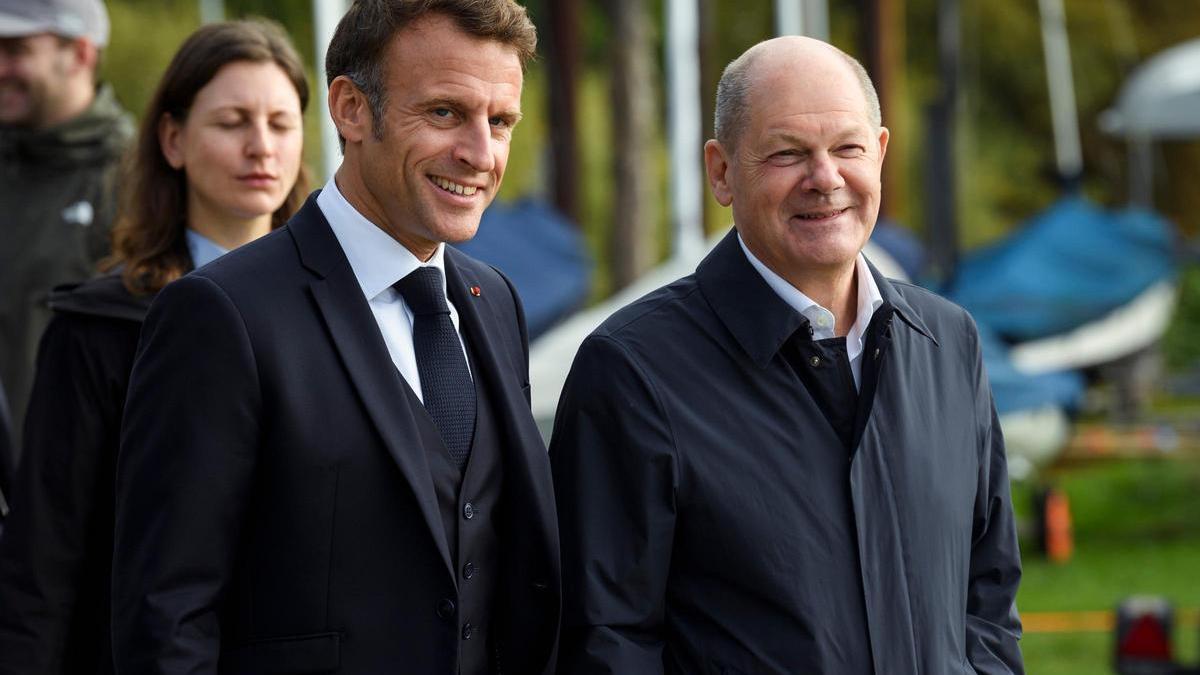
(326, 14)
(1061, 84)
(212, 11)
(1141, 170)
(789, 17)
(940, 183)
(683, 126)
(816, 19)
(802, 17)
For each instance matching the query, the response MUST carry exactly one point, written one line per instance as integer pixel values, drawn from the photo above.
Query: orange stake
(1060, 542)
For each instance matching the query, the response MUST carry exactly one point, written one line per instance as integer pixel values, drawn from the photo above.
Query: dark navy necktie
(446, 387)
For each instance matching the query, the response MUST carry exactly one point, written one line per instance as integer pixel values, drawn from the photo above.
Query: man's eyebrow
(441, 102)
(510, 116)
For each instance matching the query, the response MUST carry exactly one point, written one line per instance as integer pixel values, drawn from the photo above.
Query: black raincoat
(713, 522)
(56, 552)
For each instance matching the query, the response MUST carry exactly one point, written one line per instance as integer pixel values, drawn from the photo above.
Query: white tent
(1161, 97)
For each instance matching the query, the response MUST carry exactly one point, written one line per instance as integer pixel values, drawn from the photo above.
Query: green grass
(1137, 531)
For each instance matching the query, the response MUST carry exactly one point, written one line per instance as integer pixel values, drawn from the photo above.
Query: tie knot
(422, 290)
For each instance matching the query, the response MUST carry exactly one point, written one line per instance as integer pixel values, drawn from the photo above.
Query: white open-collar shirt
(820, 318)
(378, 261)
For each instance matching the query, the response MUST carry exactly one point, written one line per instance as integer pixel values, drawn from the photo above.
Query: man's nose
(824, 174)
(473, 146)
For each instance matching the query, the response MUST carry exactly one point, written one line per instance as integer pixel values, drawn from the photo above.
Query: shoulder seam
(647, 309)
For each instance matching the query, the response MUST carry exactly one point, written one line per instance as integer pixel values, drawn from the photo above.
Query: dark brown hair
(362, 37)
(148, 240)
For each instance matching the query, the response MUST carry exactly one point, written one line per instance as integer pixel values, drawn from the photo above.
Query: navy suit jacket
(275, 511)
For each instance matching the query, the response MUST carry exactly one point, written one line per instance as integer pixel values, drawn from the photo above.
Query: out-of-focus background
(1043, 171)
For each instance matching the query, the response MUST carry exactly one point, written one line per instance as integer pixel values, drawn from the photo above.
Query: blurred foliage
(146, 34)
(1181, 344)
(1005, 151)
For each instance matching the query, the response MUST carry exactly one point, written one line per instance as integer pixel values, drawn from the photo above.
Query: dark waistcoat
(469, 502)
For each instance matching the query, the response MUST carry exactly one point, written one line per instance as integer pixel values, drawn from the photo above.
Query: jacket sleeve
(615, 477)
(71, 424)
(184, 474)
(993, 626)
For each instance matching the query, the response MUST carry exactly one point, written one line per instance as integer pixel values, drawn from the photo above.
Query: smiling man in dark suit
(328, 462)
(785, 463)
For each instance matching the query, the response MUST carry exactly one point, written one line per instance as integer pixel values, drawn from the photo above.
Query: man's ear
(716, 164)
(349, 110)
(170, 139)
(84, 55)
(884, 135)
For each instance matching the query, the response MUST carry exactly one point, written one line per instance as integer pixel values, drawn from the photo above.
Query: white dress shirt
(820, 318)
(378, 261)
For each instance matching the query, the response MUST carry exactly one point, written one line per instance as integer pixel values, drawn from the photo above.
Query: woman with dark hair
(217, 164)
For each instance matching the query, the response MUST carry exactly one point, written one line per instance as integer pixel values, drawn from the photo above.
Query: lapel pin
(475, 291)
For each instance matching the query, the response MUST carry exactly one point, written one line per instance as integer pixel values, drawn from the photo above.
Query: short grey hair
(733, 90)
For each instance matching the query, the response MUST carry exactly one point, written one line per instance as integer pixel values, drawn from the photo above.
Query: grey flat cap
(68, 18)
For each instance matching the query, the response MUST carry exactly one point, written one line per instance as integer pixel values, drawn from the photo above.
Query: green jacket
(57, 202)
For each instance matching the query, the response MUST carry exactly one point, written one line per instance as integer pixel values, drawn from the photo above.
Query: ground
(1137, 531)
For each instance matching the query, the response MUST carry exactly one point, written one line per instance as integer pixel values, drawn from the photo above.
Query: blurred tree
(1004, 152)
(883, 54)
(562, 43)
(633, 124)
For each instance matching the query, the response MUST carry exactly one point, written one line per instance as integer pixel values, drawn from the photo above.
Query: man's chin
(457, 233)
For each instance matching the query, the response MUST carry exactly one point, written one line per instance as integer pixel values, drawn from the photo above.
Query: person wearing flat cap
(62, 134)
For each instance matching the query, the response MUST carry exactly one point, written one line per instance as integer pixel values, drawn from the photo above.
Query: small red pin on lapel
(475, 291)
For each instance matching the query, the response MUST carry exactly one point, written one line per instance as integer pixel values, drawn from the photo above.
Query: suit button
(445, 608)
(467, 631)
(814, 361)
(468, 510)
(468, 570)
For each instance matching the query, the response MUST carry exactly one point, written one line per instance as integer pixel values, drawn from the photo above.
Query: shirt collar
(377, 260)
(820, 319)
(202, 249)
(869, 300)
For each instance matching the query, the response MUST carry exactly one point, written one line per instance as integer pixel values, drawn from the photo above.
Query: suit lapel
(526, 462)
(355, 334)
(479, 325)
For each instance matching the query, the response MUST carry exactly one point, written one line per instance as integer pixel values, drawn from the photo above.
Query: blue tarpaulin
(543, 254)
(1015, 391)
(1067, 266)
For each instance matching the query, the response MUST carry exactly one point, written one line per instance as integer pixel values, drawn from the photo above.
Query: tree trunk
(633, 97)
(886, 62)
(563, 66)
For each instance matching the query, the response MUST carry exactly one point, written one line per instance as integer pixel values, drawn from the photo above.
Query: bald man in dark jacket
(786, 463)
